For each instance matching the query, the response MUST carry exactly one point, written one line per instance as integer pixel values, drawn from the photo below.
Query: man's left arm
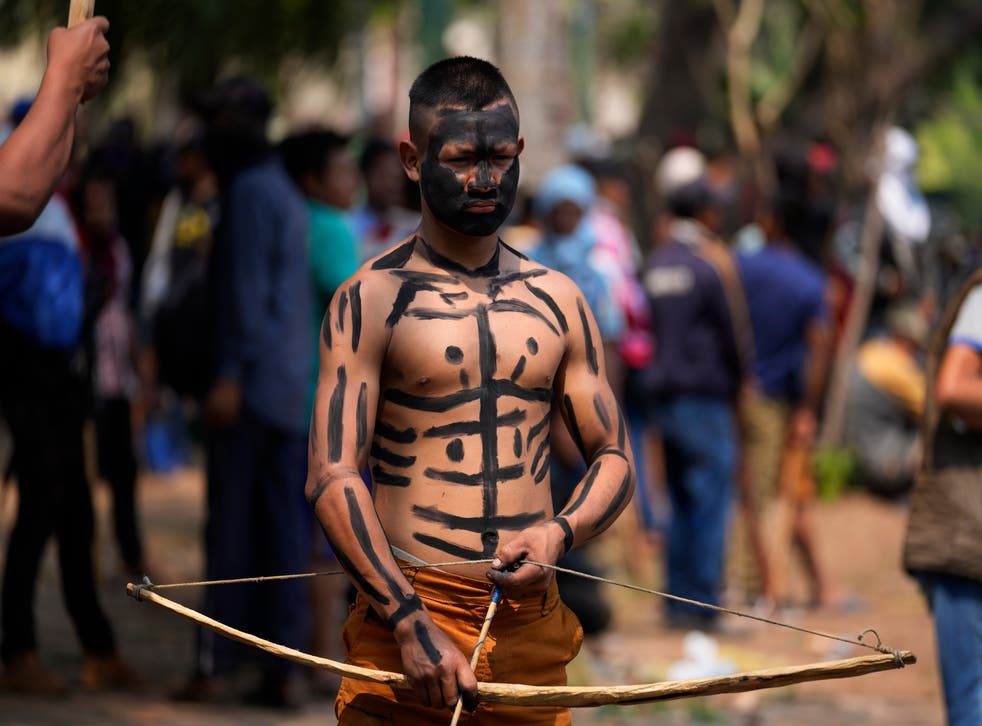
(595, 422)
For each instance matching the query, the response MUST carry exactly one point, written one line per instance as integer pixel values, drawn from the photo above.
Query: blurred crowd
(179, 287)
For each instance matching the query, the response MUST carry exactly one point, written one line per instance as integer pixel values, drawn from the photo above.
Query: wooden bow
(562, 696)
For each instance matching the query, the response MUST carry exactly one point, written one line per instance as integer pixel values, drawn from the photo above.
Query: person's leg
(114, 441)
(706, 436)
(956, 604)
(283, 537)
(229, 541)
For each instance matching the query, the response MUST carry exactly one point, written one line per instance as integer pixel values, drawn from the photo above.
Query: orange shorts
(531, 640)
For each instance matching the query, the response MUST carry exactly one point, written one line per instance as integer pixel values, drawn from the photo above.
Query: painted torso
(460, 453)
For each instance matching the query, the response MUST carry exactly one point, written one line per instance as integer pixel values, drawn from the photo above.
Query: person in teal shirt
(325, 171)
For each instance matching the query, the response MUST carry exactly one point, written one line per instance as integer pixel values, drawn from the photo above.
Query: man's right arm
(34, 158)
(352, 348)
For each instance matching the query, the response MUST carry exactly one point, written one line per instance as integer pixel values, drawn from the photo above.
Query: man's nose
(483, 180)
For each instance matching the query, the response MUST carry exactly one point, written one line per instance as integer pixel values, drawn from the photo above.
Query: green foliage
(951, 148)
(833, 468)
(198, 39)
(626, 29)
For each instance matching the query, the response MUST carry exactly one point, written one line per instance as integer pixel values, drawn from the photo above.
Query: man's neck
(472, 253)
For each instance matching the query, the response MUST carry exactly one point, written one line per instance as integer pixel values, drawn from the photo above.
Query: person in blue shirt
(786, 300)
(702, 356)
(262, 360)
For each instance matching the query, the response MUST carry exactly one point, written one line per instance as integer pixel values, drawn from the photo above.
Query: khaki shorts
(531, 640)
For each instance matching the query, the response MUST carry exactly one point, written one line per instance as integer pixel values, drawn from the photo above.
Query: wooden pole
(564, 696)
(79, 11)
(476, 653)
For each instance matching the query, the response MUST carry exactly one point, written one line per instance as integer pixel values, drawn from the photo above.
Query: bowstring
(858, 641)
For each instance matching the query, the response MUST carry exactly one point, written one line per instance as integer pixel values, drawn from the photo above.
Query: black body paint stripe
(465, 428)
(449, 297)
(567, 533)
(438, 404)
(584, 492)
(504, 387)
(423, 636)
(426, 279)
(326, 327)
(516, 444)
(499, 283)
(519, 369)
(543, 445)
(355, 294)
(616, 502)
(506, 473)
(488, 269)
(534, 431)
(437, 314)
(512, 523)
(544, 470)
(408, 602)
(391, 457)
(610, 450)
(342, 309)
(361, 582)
(362, 413)
(511, 249)
(574, 427)
(517, 306)
(397, 258)
(547, 299)
(335, 416)
(591, 351)
(386, 431)
(381, 476)
(621, 433)
(598, 406)
(465, 553)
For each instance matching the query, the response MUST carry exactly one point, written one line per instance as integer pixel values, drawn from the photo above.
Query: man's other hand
(224, 404)
(436, 670)
(541, 543)
(79, 57)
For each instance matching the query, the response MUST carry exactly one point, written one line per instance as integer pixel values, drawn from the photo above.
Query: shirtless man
(441, 362)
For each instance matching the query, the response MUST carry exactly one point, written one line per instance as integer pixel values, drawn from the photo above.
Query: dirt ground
(860, 538)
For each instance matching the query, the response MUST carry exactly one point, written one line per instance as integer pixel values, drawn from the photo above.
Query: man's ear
(521, 144)
(410, 157)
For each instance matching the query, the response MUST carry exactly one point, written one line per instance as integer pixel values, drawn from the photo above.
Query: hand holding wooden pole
(478, 646)
(79, 11)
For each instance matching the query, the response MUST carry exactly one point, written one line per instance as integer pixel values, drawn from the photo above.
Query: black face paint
(335, 415)
(355, 295)
(455, 450)
(482, 137)
(454, 354)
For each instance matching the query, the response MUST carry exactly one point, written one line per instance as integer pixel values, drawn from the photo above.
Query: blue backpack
(42, 286)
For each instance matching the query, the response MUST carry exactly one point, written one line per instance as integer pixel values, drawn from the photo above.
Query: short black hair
(463, 82)
(690, 200)
(308, 152)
